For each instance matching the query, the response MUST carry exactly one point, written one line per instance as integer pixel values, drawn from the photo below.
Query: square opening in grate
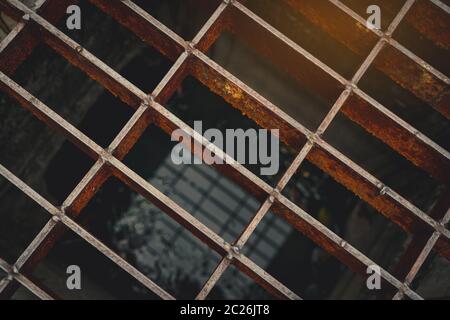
(22, 219)
(185, 17)
(118, 47)
(425, 32)
(202, 110)
(149, 238)
(100, 278)
(29, 147)
(212, 198)
(380, 160)
(346, 215)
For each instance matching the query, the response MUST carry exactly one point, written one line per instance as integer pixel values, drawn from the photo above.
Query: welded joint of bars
(232, 251)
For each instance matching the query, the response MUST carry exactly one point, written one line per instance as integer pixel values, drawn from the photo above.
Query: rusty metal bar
(418, 148)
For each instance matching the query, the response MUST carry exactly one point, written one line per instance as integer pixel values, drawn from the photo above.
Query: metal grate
(36, 25)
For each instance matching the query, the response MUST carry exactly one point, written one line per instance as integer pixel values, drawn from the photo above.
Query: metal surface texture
(36, 25)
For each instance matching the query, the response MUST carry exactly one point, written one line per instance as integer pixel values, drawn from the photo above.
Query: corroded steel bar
(213, 279)
(331, 242)
(212, 29)
(423, 255)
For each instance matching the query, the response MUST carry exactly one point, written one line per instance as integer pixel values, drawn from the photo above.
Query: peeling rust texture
(403, 141)
(189, 58)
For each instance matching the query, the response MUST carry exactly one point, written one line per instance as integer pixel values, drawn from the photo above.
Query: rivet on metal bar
(274, 194)
(189, 47)
(343, 243)
(384, 190)
(228, 2)
(26, 17)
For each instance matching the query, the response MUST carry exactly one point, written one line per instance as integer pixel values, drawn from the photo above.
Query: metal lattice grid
(36, 25)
